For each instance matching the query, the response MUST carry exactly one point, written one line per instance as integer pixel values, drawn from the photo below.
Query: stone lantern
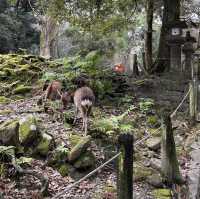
(175, 40)
(188, 50)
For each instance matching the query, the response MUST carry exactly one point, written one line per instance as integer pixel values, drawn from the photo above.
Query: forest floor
(167, 92)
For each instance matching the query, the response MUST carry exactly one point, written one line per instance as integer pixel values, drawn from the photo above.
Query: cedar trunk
(49, 34)
(148, 35)
(171, 13)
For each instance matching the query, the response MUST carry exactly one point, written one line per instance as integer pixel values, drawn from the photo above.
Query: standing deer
(84, 100)
(54, 92)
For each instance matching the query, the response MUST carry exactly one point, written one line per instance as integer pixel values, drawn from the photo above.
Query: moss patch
(44, 145)
(162, 193)
(27, 129)
(21, 89)
(63, 169)
(4, 100)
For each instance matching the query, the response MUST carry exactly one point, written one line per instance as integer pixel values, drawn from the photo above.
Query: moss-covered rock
(9, 133)
(86, 160)
(153, 143)
(79, 148)
(22, 89)
(44, 145)
(28, 129)
(162, 193)
(4, 100)
(141, 172)
(74, 139)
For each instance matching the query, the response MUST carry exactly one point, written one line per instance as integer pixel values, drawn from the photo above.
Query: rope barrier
(114, 157)
(147, 136)
(86, 176)
(184, 98)
(172, 115)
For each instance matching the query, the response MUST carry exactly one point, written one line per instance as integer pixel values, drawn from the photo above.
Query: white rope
(87, 176)
(184, 98)
(114, 157)
(147, 136)
(172, 115)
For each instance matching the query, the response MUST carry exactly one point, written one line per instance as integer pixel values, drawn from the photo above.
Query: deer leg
(76, 114)
(86, 125)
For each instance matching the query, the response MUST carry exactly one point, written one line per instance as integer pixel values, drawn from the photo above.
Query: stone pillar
(175, 56)
(188, 50)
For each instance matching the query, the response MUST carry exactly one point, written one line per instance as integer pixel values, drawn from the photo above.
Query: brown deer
(84, 100)
(54, 92)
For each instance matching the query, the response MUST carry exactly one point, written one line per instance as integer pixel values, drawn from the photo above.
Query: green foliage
(7, 152)
(146, 104)
(117, 124)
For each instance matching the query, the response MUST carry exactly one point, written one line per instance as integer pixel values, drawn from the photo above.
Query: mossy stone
(141, 172)
(44, 145)
(4, 100)
(74, 139)
(27, 129)
(162, 193)
(9, 132)
(79, 148)
(86, 160)
(21, 89)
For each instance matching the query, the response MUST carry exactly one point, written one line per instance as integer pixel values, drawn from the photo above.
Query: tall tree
(148, 33)
(171, 13)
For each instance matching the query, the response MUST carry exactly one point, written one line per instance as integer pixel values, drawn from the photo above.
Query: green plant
(146, 104)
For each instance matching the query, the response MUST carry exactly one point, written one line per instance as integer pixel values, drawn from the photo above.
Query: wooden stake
(125, 167)
(170, 166)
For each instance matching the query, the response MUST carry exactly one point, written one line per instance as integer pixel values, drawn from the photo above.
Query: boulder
(79, 149)
(153, 143)
(141, 172)
(27, 129)
(44, 145)
(86, 160)
(9, 133)
(155, 180)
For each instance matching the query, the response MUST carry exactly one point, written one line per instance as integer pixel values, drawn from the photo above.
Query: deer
(84, 100)
(54, 92)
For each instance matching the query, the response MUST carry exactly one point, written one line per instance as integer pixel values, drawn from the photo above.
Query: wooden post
(125, 167)
(170, 167)
(194, 86)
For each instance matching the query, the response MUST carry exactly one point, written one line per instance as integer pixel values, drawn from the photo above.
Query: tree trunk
(148, 34)
(49, 33)
(171, 13)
